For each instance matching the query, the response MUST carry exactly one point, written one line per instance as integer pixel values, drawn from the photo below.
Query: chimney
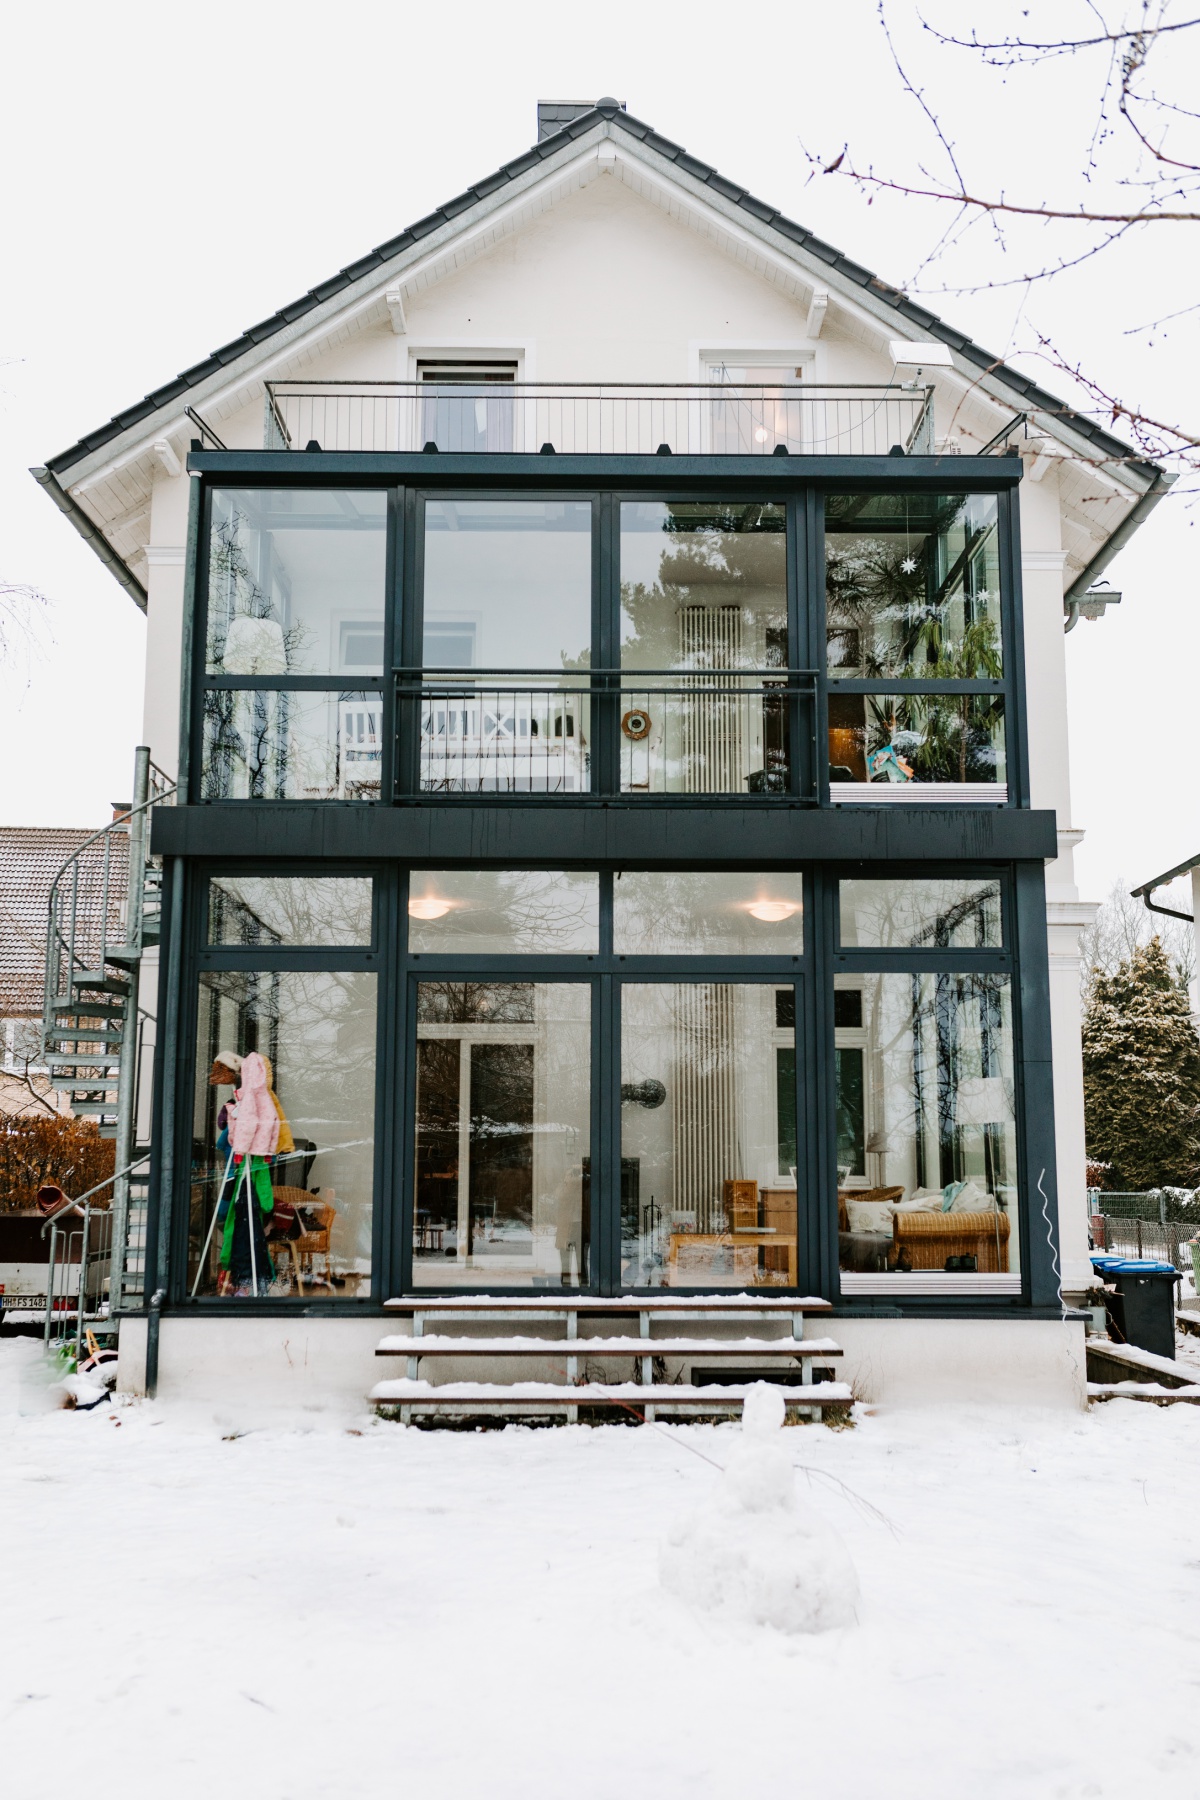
(552, 115)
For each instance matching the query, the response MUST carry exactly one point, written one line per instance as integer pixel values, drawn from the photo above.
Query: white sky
(174, 174)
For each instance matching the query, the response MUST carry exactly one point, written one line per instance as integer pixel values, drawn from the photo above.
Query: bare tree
(1123, 925)
(1144, 147)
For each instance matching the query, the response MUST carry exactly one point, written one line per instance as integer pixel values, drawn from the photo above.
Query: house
(31, 858)
(611, 646)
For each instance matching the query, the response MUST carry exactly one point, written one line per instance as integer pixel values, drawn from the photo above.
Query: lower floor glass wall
(618, 1097)
(283, 1135)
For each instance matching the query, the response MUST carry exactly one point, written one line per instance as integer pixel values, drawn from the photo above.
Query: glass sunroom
(541, 846)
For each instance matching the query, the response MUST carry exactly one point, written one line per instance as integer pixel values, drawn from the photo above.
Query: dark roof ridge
(761, 210)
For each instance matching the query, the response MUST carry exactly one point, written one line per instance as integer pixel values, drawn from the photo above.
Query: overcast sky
(175, 173)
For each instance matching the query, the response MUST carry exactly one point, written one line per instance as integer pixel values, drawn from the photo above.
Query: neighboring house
(623, 747)
(1148, 890)
(30, 859)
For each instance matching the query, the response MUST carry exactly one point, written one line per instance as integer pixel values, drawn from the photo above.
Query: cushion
(921, 1201)
(870, 1215)
(971, 1198)
(950, 1193)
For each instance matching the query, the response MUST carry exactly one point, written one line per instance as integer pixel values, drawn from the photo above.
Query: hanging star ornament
(909, 566)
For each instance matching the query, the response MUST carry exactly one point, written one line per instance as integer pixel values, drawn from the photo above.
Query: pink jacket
(256, 1127)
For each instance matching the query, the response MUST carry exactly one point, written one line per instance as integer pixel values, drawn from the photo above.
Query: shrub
(69, 1152)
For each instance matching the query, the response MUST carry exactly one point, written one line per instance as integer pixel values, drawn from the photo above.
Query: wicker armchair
(310, 1243)
(927, 1239)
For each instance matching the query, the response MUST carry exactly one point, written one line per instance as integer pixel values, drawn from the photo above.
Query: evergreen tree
(1141, 1074)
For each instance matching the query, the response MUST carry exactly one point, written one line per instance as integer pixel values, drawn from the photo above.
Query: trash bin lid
(1133, 1265)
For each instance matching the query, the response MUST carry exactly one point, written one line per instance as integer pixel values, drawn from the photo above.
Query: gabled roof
(1027, 394)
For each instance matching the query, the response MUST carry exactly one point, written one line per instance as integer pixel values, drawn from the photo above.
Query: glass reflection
(314, 910)
(478, 912)
(693, 913)
(708, 1136)
(926, 1124)
(272, 745)
(296, 582)
(502, 1135)
(930, 913)
(283, 1130)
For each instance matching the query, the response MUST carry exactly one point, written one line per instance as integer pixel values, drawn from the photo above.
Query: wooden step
(656, 1300)
(472, 1397)
(601, 1346)
(1153, 1391)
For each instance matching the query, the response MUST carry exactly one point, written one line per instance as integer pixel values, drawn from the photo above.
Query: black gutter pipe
(1120, 537)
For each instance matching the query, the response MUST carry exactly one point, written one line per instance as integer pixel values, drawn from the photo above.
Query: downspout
(1168, 912)
(91, 533)
(1120, 537)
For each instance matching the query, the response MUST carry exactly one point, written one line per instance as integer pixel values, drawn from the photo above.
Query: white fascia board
(306, 332)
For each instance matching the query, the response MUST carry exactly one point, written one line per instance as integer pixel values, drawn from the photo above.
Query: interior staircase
(105, 911)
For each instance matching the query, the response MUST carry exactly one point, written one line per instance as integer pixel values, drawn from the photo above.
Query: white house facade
(611, 650)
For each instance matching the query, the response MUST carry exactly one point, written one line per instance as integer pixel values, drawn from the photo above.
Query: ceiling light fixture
(772, 912)
(428, 906)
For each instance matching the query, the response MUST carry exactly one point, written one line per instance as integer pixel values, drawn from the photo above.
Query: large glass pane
(481, 912)
(926, 1125)
(708, 1136)
(704, 598)
(905, 741)
(689, 913)
(508, 585)
(912, 586)
(503, 1168)
(283, 1135)
(314, 910)
(268, 745)
(930, 913)
(296, 581)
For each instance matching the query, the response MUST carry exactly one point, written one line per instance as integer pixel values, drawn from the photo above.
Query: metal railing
(668, 731)
(84, 1234)
(582, 419)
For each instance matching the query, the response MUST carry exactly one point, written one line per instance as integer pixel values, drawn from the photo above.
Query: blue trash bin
(1141, 1311)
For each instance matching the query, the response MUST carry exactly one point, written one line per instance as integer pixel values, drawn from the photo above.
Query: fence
(1136, 1224)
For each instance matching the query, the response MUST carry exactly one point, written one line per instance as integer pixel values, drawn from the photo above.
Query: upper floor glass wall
(600, 644)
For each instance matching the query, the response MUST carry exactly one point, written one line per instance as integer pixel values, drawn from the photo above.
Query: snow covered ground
(361, 1610)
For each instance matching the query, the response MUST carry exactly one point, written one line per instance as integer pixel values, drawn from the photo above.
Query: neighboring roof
(1026, 391)
(30, 858)
(1183, 868)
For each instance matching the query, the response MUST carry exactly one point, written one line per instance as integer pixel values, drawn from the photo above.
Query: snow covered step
(1109, 1363)
(1154, 1391)
(700, 1306)
(602, 1346)
(538, 1396)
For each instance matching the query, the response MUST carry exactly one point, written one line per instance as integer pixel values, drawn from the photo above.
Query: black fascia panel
(953, 474)
(623, 835)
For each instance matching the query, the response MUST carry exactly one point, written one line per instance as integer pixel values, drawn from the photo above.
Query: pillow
(921, 1201)
(870, 1215)
(950, 1194)
(971, 1198)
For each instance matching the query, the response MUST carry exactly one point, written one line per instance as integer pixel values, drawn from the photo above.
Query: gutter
(1145, 892)
(93, 536)
(1120, 537)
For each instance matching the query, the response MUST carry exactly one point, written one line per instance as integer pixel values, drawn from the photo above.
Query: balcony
(572, 419)
(645, 732)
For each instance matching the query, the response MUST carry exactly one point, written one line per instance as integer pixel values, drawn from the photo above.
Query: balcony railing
(524, 418)
(703, 732)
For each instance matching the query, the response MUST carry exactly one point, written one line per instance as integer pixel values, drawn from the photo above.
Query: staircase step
(688, 1348)
(541, 1396)
(98, 983)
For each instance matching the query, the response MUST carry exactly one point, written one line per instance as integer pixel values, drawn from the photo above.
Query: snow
(352, 1608)
(433, 1345)
(752, 1552)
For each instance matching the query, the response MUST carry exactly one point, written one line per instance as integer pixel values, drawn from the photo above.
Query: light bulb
(760, 436)
(772, 912)
(428, 907)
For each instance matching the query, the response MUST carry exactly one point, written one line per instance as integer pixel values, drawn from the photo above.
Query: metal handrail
(84, 1199)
